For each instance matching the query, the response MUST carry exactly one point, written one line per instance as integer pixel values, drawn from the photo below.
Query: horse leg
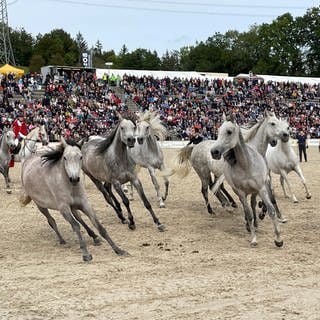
(284, 177)
(274, 202)
(298, 170)
(156, 186)
(283, 187)
(107, 197)
(253, 202)
(137, 184)
(166, 184)
(248, 217)
(229, 197)
(66, 213)
(264, 194)
(204, 190)
(5, 171)
(90, 232)
(52, 223)
(126, 203)
(87, 210)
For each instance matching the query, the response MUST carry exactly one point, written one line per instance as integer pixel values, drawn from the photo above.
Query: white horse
(282, 159)
(52, 181)
(29, 143)
(147, 152)
(246, 171)
(7, 143)
(107, 162)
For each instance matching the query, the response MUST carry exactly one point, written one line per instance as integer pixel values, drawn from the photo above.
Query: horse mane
(30, 134)
(55, 155)
(157, 127)
(252, 130)
(105, 143)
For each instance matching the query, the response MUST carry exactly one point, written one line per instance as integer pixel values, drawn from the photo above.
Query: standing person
(195, 137)
(20, 128)
(302, 145)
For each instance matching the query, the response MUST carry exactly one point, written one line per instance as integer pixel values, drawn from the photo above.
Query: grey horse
(107, 162)
(52, 181)
(246, 171)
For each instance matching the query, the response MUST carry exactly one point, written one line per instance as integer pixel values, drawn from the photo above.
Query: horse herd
(242, 157)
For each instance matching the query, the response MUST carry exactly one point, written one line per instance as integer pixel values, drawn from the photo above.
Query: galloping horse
(282, 160)
(147, 152)
(7, 143)
(246, 171)
(107, 162)
(52, 181)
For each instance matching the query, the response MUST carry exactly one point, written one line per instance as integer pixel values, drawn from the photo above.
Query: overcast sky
(150, 24)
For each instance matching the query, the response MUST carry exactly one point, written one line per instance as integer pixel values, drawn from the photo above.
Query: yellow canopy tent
(5, 69)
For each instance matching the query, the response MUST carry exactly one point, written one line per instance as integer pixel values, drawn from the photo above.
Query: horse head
(72, 160)
(127, 132)
(228, 137)
(9, 139)
(142, 131)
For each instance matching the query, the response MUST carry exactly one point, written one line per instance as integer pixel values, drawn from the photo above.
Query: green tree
(54, 47)
(36, 62)
(22, 44)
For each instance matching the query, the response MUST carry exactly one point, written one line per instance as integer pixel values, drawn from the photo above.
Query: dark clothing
(302, 145)
(195, 139)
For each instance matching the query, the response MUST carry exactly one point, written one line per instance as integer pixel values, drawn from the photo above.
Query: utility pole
(6, 53)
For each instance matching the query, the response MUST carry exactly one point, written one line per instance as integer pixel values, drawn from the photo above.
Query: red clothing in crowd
(19, 128)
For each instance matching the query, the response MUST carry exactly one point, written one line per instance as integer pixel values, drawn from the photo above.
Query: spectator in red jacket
(20, 128)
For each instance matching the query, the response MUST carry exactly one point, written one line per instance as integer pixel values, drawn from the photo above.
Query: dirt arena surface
(201, 267)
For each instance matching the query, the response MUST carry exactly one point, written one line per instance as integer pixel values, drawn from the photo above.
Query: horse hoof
(62, 242)
(87, 257)
(124, 221)
(261, 215)
(9, 191)
(308, 196)
(260, 204)
(122, 253)
(283, 220)
(234, 205)
(279, 244)
(253, 244)
(162, 205)
(97, 241)
(161, 227)
(132, 226)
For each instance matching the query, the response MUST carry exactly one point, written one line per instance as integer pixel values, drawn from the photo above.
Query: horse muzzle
(273, 142)
(74, 180)
(140, 140)
(216, 154)
(130, 142)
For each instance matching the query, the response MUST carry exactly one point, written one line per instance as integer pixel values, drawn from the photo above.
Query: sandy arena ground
(201, 267)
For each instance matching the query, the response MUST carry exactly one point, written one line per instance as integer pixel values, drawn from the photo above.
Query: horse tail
(24, 199)
(182, 165)
(217, 184)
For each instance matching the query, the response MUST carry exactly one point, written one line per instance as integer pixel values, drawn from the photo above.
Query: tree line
(287, 46)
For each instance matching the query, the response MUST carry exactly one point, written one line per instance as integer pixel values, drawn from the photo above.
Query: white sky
(150, 24)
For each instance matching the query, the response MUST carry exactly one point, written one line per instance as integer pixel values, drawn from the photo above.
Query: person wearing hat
(20, 128)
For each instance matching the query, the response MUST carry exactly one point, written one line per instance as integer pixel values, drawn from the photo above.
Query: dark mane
(104, 144)
(54, 155)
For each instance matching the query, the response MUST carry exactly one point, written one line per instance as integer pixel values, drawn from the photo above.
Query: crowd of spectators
(185, 104)
(79, 105)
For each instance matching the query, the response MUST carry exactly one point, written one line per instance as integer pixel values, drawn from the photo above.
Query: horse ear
(63, 141)
(224, 117)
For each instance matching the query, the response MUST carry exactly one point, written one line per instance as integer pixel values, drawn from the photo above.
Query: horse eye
(229, 132)
(64, 158)
(273, 124)
(81, 158)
